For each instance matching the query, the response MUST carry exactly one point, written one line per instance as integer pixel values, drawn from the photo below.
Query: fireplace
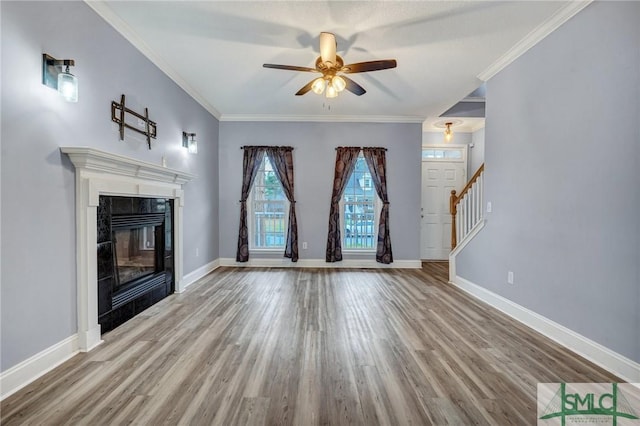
(135, 256)
(103, 173)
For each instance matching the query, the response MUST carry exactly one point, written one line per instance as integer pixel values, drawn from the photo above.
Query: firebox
(135, 256)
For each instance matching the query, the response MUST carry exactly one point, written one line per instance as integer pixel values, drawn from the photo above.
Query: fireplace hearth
(135, 256)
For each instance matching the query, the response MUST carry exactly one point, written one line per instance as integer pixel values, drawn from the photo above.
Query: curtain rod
(362, 147)
(266, 146)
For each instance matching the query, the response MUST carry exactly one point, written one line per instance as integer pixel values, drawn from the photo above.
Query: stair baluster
(467, 208)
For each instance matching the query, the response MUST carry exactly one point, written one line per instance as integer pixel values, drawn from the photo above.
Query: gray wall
(38, 199)
(476, 152)
(562, 173)
(314, 158)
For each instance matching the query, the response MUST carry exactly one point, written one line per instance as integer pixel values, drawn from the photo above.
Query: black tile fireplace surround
(135, 256)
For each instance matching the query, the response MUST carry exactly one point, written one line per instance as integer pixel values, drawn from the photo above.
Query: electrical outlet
(510, 277)
(304, 245)
(488, 206)
(197, 252)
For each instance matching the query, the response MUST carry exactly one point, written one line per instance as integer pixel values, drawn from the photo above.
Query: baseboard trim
(611, 361)
(20, 375)
(194, 276)
(321, 263)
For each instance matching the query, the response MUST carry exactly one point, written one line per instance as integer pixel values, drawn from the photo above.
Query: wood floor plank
(269, 346)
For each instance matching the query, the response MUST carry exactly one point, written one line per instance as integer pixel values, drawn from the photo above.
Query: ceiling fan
(329, 64)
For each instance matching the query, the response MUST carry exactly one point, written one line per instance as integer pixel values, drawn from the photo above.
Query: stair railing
(467, 208)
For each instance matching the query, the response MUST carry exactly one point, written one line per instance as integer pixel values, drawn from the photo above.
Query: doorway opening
(444, 168)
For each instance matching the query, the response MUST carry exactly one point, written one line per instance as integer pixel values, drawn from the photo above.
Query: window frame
(462, 148)
(251, 216)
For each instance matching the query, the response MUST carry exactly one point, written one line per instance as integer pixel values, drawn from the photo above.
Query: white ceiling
(215, 51)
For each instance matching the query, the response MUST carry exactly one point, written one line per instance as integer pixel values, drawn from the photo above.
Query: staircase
(467, 209)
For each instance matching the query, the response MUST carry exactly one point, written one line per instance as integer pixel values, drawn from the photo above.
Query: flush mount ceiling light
(55, 74)
(329, 64)
(189, 142)
(448, 133)
(447, 126)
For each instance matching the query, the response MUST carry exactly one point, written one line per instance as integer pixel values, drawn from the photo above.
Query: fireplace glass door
(135, 253)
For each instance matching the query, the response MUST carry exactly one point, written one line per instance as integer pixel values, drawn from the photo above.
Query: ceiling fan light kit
(329, 64)
(334, 85)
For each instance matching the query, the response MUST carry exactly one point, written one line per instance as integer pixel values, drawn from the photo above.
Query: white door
(439, 178)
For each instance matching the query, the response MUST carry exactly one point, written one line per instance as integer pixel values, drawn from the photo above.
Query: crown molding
(106, 13)
(323, 118)
(534, 37)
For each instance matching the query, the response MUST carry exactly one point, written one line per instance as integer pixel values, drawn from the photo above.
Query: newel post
(453, 201)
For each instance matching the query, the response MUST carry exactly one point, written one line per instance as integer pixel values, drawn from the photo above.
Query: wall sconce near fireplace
(55, 74)
(189, 142)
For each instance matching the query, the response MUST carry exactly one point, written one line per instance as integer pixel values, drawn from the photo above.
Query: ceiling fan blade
(353, 87)
(305, 89)
(290, 67)
(382, 64)
(328, 48)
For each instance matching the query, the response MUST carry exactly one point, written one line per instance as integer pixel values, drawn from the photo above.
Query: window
(268, 210)
(445, 154)
(360, 206)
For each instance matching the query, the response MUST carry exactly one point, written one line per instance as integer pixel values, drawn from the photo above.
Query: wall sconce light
(189, 142)
(448, 133)
(54, 76)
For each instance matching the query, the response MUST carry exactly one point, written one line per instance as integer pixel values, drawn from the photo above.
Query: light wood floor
(307, 346)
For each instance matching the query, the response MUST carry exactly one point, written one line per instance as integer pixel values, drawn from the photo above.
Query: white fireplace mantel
(102, 173)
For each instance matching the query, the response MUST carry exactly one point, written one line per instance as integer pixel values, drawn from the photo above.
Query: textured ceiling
(215, 51)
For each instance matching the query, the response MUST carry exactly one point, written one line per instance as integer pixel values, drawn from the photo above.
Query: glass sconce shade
(193, 146)
(56, 75)
(189, 142)
(68, 86)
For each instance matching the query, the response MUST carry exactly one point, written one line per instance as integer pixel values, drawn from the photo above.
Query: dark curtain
(282, 161)
(376, 160)
(251, 163)
(346, 158)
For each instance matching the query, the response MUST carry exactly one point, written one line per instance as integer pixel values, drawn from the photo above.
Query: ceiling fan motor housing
(325, 67)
